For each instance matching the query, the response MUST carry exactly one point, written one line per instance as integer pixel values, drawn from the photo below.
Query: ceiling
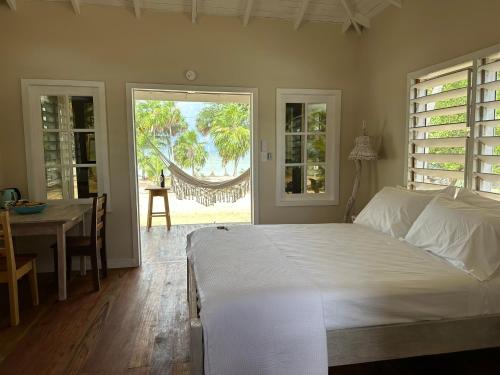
(352, 14)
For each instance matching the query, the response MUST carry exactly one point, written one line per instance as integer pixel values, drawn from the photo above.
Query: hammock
(204, 192)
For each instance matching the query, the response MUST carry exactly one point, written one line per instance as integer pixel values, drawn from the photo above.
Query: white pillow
(467, 196)
(465, 235)
(449, 190)
(393, 211)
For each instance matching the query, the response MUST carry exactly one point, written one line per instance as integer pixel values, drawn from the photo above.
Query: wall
(400, 41)
(47, 40)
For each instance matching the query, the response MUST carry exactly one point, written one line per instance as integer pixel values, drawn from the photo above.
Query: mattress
(367, 278)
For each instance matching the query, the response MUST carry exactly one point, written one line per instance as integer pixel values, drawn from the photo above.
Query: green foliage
(189, 152)
(158, 121)
(448, 119)
(229, 127)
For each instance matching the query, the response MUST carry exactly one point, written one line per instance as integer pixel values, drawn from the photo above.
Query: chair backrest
(98, 229)
(6, 246)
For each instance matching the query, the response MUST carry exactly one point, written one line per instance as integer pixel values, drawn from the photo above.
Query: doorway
(198, 143)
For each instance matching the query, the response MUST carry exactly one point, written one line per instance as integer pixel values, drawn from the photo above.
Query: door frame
(134, 189)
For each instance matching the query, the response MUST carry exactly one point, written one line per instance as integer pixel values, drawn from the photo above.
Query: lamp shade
(363, 149)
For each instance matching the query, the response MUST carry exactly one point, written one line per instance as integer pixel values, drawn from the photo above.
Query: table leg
(150, 211)
(83, 260)
(61, 256)
(167, 211)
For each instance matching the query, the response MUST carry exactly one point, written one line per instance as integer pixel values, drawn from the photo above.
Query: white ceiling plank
(137, 8)
(194, 11)
(12, 5)
(76, 6)
(248, 12)
(345, 26)
(396, 3)
(350, 15)
(302, 12)
(362, 20)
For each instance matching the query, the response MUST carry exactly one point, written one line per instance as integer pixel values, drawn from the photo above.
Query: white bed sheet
(367, 278)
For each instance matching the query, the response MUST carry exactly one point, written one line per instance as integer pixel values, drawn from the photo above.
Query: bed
(382, 298)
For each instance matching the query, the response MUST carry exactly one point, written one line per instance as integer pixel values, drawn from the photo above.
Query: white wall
(421, 34)
(47, 40)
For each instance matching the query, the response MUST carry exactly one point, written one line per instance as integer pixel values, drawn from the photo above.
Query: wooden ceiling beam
(362, 20)
(248, 12)
(12, 4)
(350, 18)
(396, 3)
(76, 6)
(302, 12)
(194, 11)
(137, 8)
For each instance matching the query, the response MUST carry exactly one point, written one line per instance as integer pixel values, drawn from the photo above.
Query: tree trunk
(235, 167)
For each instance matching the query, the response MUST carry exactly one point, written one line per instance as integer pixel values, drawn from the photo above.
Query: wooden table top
(54, 213)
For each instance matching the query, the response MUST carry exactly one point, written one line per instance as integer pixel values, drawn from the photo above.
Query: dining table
(57, 220)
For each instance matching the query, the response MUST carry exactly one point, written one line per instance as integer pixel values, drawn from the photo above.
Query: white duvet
(260, 288)
(368, 278)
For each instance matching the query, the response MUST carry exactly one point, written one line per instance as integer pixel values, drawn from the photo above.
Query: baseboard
(46, 265)
(122, 263)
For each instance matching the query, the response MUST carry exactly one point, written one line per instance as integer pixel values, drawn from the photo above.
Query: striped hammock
(204, 192)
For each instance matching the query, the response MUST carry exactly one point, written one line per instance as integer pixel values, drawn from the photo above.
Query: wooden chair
(93, 246)
(12, 268)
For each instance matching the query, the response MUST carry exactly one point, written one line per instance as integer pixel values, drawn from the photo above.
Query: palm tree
(160, 119)
(156, 122)
(229, 127)
(189, 152)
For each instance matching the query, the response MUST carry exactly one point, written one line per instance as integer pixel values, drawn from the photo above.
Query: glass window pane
(294, 117)
(293, 149)
(82, 112)
(294, 180)
(57, 148)
(51, 149)
(84, 182)
(316, 148)
(52, 111)
(53, 183)
(315, 179)
(84, 148)
(316, 117)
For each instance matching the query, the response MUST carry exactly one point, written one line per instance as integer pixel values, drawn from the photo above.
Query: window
(66, 140)
(454, 121)
(308, 128)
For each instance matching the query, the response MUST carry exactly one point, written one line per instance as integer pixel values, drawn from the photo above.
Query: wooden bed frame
(369, 344)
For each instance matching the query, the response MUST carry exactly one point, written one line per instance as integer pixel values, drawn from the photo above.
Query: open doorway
(192, 148)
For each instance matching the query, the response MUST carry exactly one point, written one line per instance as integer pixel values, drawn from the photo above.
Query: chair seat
(21, 261)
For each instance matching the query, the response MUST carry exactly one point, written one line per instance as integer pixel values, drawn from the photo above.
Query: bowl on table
(28, 208)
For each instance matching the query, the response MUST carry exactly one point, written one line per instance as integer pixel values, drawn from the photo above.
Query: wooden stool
(158, 192)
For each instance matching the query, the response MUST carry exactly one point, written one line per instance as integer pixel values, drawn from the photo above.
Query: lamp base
(352, 198)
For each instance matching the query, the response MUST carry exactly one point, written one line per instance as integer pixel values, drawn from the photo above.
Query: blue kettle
(9, 195)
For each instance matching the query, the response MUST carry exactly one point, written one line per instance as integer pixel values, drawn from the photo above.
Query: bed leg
(196, 347)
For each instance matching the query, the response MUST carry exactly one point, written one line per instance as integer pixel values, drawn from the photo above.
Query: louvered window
(454, 120)
(486, 168)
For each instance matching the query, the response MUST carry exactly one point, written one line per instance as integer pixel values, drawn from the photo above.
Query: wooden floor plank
(138, 324)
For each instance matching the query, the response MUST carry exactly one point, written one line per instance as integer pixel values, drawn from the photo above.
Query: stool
(158, 192)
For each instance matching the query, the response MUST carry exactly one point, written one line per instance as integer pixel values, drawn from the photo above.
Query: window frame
(333, 98)
(469, 169)
(31, 90)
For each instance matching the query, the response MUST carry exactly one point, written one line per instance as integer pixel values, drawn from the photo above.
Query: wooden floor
(137, 324)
